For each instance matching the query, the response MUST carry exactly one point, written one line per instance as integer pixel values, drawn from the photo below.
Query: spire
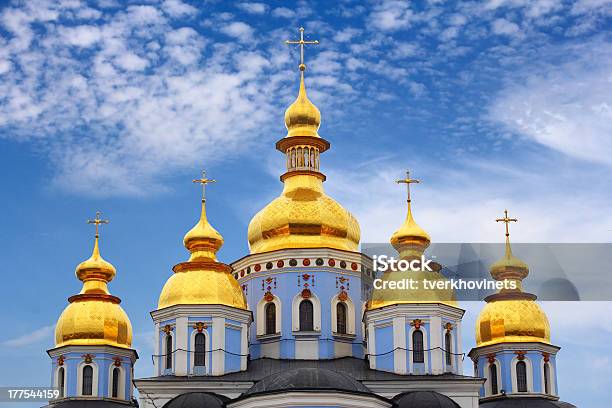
(203, 241)
(302, 118)
(509, 267)
(410, 240)
(95, 272)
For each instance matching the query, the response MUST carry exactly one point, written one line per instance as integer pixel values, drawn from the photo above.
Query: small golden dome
(511, 315)
(203, 241)
(202, 280)
(302, 117)
(410, 239)
(303, 217)
(94, 316)
(512, 320)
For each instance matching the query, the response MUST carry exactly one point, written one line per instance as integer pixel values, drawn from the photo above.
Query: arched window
(168, 352)
(341, 317)
(521, 376)
(60, 381)
(448, 345)
(546, 378)
(116, 374)
(493, 377)
(87, 380)
(306, 315)
(418, 355)
(270, 313)
(200, 350)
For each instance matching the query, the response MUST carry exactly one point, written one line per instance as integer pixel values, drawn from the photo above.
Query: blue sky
(116, 106)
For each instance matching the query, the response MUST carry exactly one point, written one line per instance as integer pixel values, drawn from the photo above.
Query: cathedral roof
(525, 402)
(307, 378)
(94, 403)
(423, 399)
(197, 400)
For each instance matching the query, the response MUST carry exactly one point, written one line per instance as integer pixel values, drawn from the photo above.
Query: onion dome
(511, 315)
(302, 117)
(423, 399)
(303, 216)
(202, 280)
(94, 316)
(411, 241)
(197, 400)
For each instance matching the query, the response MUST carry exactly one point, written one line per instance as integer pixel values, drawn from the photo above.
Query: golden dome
(512, 320)
(94, 316)
(303, 217)
(302, 117)
(202, 280)
(411, 241)
(511, 315)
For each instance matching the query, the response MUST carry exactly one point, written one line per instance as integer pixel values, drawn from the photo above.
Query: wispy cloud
(28, 339)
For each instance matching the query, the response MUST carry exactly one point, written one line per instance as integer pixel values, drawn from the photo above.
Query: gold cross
(301, 42)
(204, 181)
(507, 221)
(408, 181)
(97, 222)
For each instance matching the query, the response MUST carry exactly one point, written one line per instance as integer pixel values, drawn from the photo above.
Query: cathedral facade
(297, 322)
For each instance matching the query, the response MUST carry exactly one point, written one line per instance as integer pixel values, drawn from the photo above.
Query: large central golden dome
(303, 216)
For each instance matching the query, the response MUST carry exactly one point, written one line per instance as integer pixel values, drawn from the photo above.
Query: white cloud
(505, 27)
(131, 62)
(82, 36)
(238, 29)
(27, 339)
(567, 108)
(253, 8)
(177, 8)
(346, 35)
(392, 15)
(283, 12)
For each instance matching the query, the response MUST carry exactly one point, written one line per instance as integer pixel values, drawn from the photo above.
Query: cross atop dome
(506, 220)
(407, 181)
(301, 42)
(97, 222)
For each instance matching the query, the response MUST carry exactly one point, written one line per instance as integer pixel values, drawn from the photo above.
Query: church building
(297, 321)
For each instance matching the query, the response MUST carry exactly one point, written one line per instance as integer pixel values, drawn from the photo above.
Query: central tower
(304, 280)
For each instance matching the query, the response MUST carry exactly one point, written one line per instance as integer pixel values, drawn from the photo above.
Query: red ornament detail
(354, 266)
(306, 276)
(306, 293)
(60, 361)
(546, 357)
(257, 268)
(331, 263)
(491, 358)
(241, 274)
(306, 262)
(88, 358)
(200, 326)
(417, 323)
(342, 296)
(269, 296)
(520, 355)
(268, 280)
(280, 264)
(117, 362)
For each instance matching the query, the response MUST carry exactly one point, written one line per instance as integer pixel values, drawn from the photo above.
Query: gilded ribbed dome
(94, 316)
(302, 117)
(511, 315)
(410, 239)
(512, 320)
(303, 217)
(202, 280)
